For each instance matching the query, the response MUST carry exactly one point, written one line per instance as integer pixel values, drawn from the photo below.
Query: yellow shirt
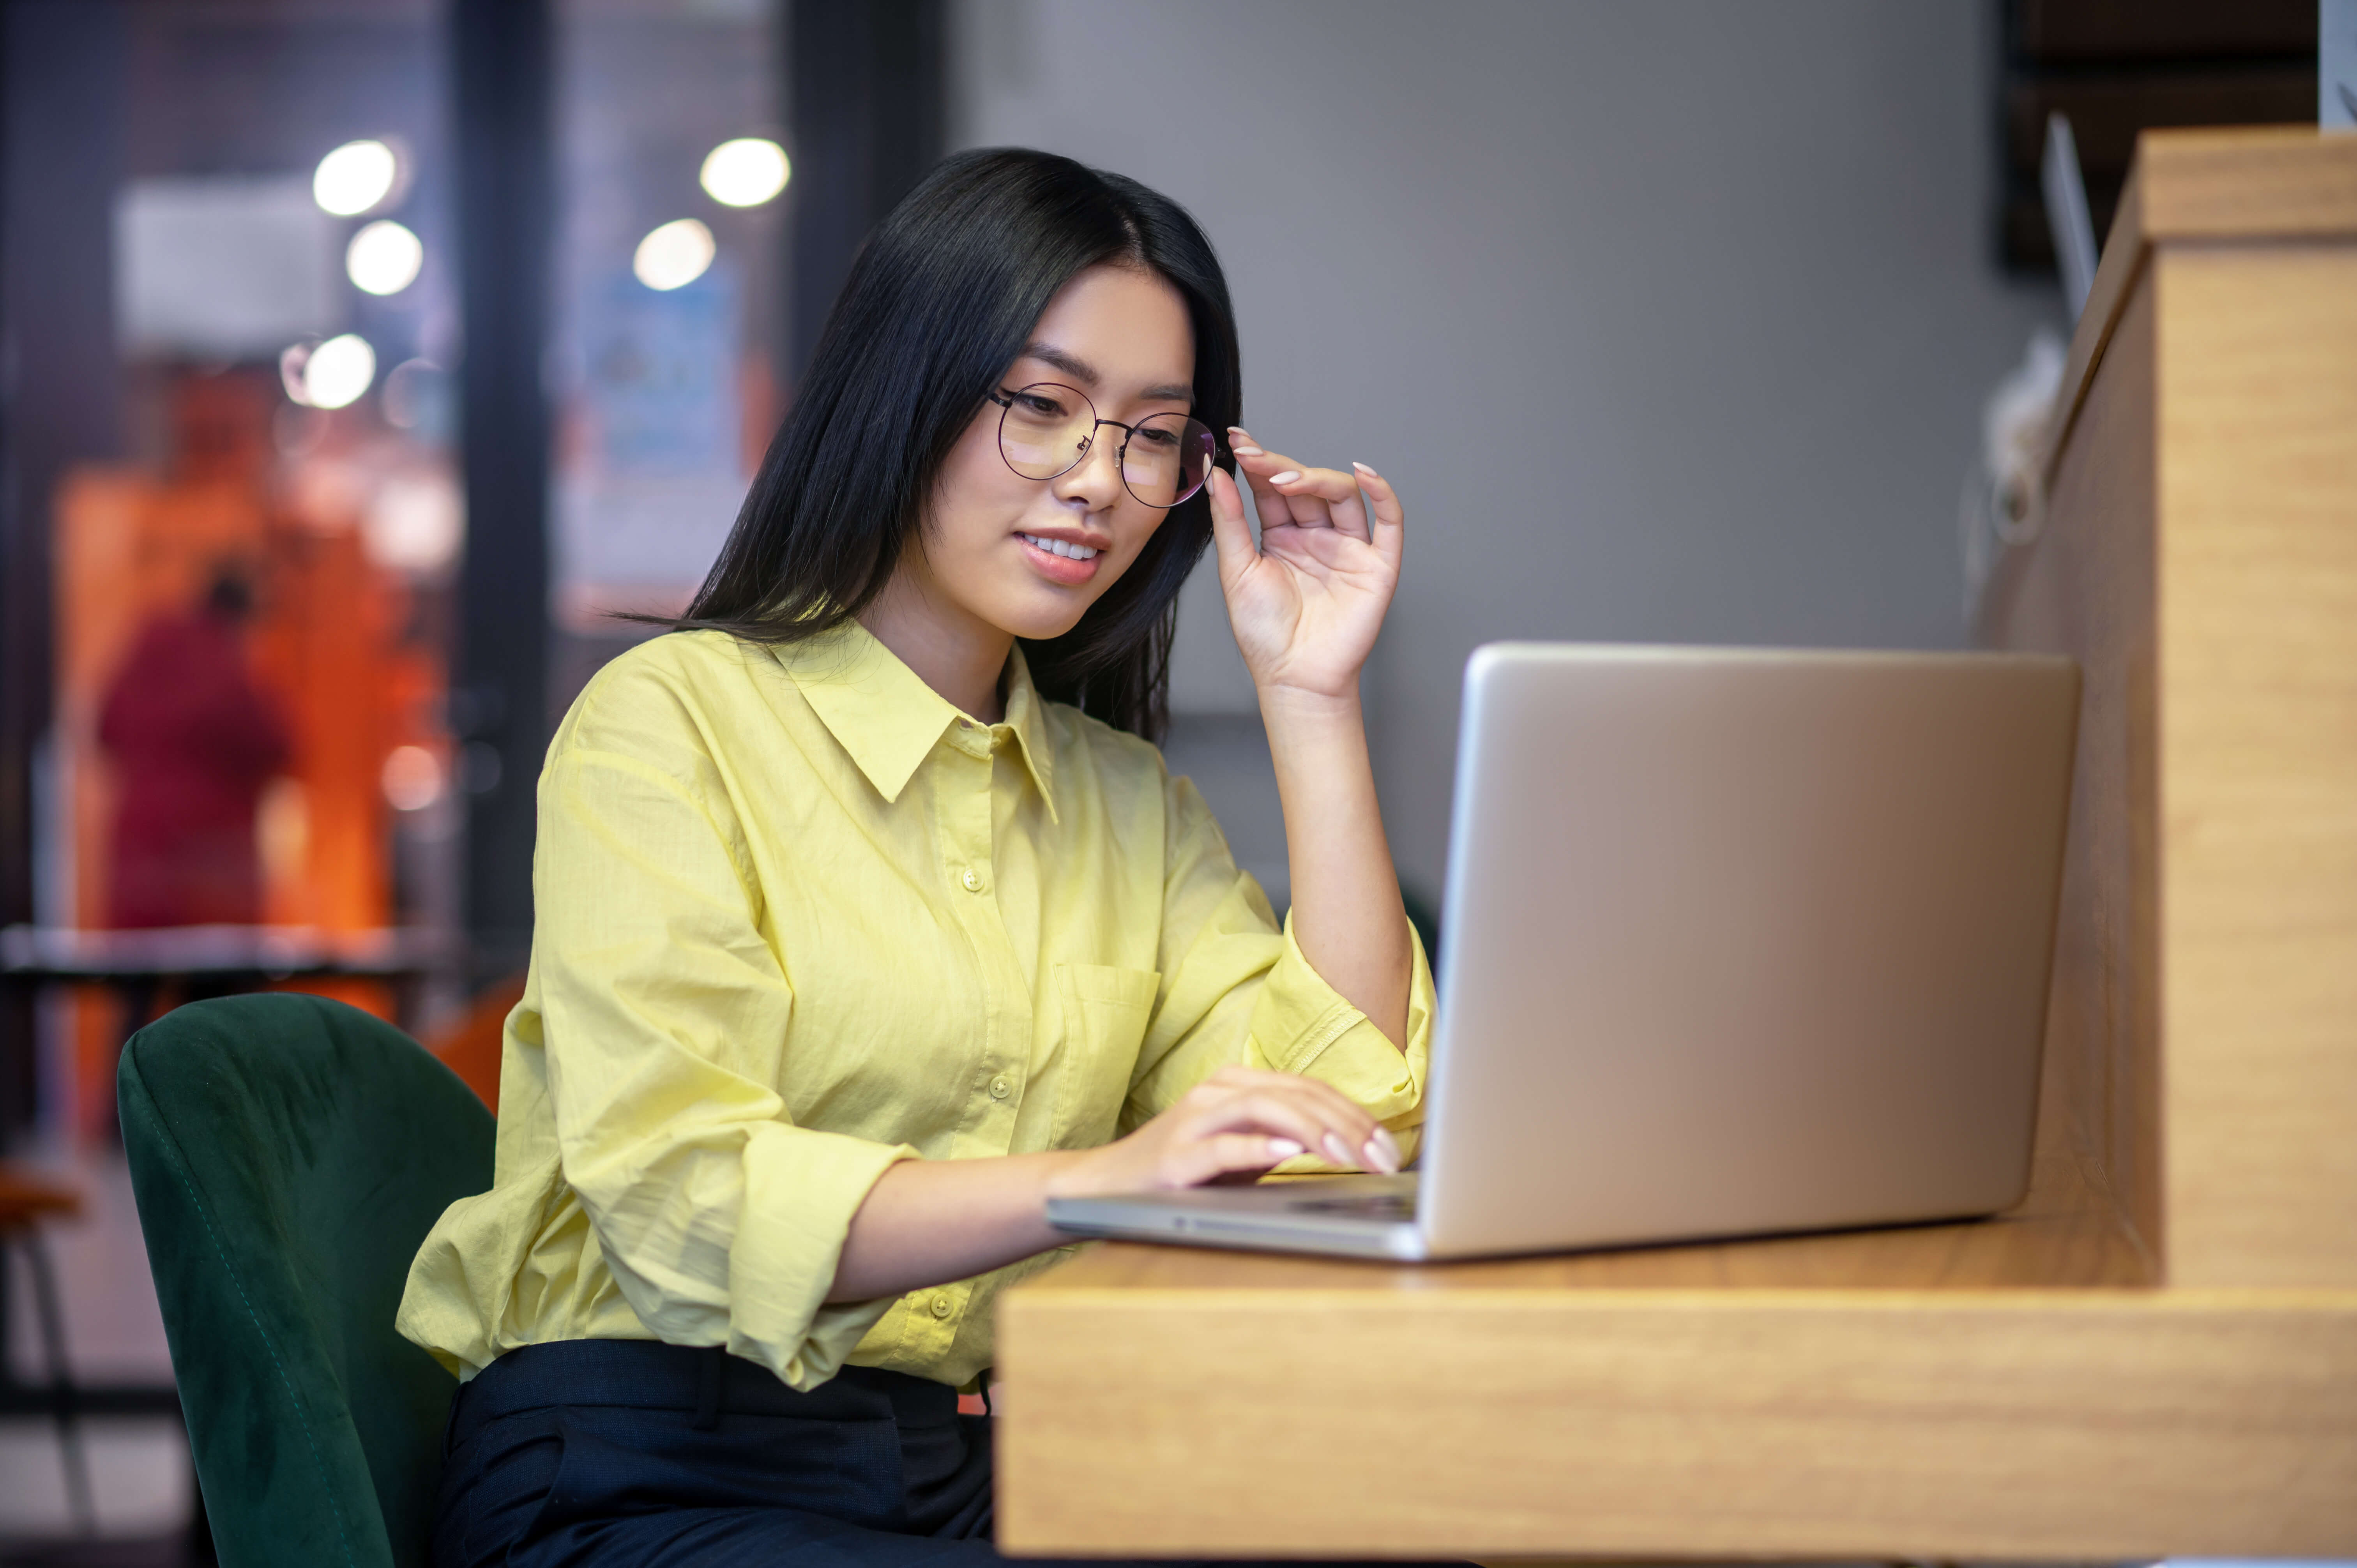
(798, 918)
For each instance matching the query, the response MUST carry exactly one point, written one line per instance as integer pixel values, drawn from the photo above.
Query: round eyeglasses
(1048, 428)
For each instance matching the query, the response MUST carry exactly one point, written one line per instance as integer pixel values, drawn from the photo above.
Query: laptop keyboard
(1370, 1205)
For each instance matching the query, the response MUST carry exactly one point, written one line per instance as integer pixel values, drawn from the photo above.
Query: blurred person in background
(194, 740)
(868, 917)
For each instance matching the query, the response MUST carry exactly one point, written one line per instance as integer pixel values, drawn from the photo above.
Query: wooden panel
(2244, 183)
(2038, 1424)
(2084, 588)
(2258, 584)
(2247, 185)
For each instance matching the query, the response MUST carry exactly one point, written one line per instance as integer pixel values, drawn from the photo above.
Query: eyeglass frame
(1004, 398)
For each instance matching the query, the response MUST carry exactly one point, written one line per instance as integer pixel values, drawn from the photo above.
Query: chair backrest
(288, 1155)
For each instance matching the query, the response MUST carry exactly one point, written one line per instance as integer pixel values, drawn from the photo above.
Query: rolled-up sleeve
(664, 1014)
(1238, 990)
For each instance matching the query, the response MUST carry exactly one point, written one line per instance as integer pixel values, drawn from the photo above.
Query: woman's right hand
(1238, 1120)
(928, 1221)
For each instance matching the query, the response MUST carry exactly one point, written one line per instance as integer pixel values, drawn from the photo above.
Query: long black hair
(943, 297)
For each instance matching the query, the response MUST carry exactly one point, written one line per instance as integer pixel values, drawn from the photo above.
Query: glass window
(670, 291)
(251, 578)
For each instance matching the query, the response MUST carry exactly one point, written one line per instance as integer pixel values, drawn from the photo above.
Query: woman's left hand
(1307, 604)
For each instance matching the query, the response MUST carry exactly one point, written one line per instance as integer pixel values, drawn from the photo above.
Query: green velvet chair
(288, 1155)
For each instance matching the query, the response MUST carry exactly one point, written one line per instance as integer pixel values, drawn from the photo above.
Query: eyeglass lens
(1048, 428)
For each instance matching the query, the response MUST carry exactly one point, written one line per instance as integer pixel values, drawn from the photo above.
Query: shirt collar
(889, 721)
(1026, 720)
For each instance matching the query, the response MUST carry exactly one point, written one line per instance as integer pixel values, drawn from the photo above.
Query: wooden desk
(2156, 1354)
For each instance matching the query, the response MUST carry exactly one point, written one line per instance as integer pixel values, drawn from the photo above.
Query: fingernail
(1338, 1150)
(1364, 469)
(1383, 1152)
(1286, 478)
(1246, 451)
(1282, 1148)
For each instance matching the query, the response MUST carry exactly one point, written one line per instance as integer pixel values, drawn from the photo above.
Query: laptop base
(1342, 1217)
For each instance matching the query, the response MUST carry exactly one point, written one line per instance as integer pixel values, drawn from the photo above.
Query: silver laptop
(1734, 942)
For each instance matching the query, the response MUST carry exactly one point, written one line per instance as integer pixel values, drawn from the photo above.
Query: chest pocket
(1105, 1010)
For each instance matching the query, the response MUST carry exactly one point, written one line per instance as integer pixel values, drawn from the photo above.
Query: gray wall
(1670, 321)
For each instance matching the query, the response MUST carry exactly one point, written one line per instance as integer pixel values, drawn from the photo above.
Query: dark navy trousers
(591, 1453)
(616, 1451)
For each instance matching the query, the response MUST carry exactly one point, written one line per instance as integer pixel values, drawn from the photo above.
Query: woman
(868, 919)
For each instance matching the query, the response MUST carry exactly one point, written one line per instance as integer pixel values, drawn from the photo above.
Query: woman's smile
(1062, 559)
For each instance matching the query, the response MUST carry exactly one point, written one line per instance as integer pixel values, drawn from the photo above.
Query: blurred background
(360, 358)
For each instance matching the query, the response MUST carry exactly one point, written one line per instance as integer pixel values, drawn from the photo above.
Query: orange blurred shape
(326, 644)
(327, 640)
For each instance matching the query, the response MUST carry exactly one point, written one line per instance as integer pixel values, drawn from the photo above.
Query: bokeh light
(384, 257)
(746, 172)
(674, 255)
(412, 778)
(331, 375)
(416, 521)
(354, 177)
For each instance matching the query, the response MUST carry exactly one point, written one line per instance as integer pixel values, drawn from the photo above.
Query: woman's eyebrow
(1081, 370)
(1073, 365)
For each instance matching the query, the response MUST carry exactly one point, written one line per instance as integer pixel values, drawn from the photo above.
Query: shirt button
(972, 880)
(940, 1306)
(1000, 1089)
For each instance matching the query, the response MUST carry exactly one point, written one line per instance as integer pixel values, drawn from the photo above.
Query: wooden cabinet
(2156, 1354)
